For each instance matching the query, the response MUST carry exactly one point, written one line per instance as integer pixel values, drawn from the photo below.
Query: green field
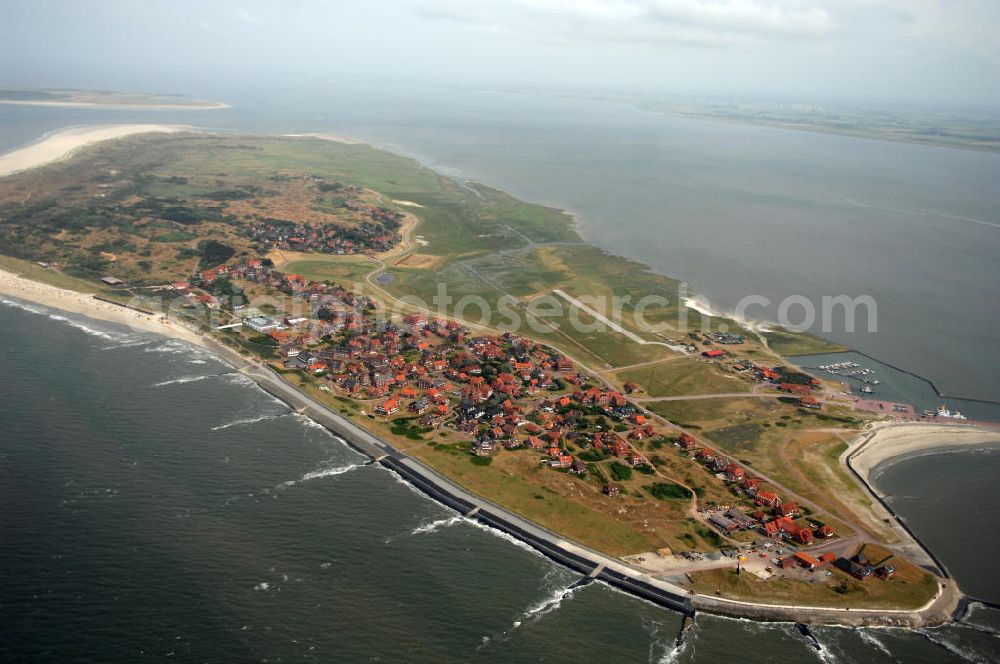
(684, 376)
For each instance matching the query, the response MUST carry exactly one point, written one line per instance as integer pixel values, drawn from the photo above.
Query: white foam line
(953, 648)
(823, 653)
(323, 472)
(675, 651)
(542, 608)
(41, 311)
(434, 526)
(702, 306)
(249, 420)
(181, 381)
(868, 637)
(330, 472)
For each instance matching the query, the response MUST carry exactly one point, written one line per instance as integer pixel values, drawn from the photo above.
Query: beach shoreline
(888, 442)
(15, 286)
(895, 441)
(63, 144)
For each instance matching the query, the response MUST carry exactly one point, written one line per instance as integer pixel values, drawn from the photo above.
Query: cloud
(969, 24)
(246, 17)
(701, 22)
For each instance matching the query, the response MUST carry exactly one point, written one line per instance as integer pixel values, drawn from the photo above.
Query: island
(104, 98)
(676, 456)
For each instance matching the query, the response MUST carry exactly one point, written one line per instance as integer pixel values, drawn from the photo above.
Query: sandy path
(62, 144)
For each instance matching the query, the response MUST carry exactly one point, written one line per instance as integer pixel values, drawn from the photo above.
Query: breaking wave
(181, 381)
(245, 421)
(953, 648)
(323, 472)
(42, 311)
(435, 526)
(537, 611)
(868, 637)
(329, 472)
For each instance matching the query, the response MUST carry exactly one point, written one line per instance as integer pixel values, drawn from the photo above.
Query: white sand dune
(62, 144)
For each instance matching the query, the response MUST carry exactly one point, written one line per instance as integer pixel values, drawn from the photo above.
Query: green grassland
(685, 375)
(796, 343)
(488, 243)
(910, 588)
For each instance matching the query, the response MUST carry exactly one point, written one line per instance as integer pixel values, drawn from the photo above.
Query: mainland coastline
(867, 451)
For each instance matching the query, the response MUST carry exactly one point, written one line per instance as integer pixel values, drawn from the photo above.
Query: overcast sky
(937, 51)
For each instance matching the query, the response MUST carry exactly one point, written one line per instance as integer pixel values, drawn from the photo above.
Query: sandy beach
(897, 440)
(62, 144)
(16, 286)
(326, 136)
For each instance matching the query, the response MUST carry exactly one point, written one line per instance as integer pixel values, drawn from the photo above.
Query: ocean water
(156, 504)
(934, 489)
(897, 385)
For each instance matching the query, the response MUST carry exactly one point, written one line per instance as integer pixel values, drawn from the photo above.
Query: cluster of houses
(365, 238)
(771, 376)
(502, 392)
(857, 565)
(773, 518)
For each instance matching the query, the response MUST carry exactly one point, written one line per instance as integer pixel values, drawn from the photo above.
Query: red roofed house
(715, 352)
(767, 498)
(687, 442)
(388, 407)
(789, 509)
(806, 560)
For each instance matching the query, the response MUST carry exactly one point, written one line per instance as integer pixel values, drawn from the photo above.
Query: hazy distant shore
(204, 106)
(63, 144)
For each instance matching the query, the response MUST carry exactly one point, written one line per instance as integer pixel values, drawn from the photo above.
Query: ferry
(955, 415)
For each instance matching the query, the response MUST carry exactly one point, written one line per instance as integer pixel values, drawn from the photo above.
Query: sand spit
(898, 440)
